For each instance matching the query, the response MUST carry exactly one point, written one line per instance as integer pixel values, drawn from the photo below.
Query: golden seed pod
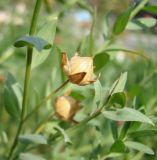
(79, 69)
(66, 107)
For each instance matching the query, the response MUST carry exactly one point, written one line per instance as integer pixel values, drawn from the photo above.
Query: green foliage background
(119, 43)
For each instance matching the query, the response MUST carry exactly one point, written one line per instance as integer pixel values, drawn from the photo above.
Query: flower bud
(66, 107)
(79, 69)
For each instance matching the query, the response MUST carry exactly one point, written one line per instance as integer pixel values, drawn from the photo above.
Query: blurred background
(73, 28)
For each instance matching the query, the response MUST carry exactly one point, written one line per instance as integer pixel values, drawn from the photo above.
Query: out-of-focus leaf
(112, 155)
(12, 96)
(124, 130)
(140, 23)
(32, 41)
(147, 21)
(118, 99)
(46, 32)
(142, 133)
(3, 137)
(114, 130)
(118, 147)
(100, 60)
(151, 9)
(77, 95)
(133, 26)
(121, 22)
(127, 114)
(7, 54)
(119, 84)
(29, 156)
(139, 146)
(62, 131)
(98, 91)
(33, 138)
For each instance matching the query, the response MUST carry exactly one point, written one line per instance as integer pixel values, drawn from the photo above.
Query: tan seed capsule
(79, 69)
(66, 107)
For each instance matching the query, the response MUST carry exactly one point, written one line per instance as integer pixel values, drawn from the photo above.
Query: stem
(138, 8)
(41, 124)
(57, 135)
(48, 97)
(91, 36)
(27, 77)
(95, 114)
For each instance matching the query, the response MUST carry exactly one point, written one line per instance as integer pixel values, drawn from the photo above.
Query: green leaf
(12, 96)
(139, 147)
(119, 84)
(98, 91)
(114, 130)
(118, 147)
(33, 138)
(62, 131)
(133, 26)
(147, 21)
(46, 32)
(127, 114)
(29, 156)
(140, 23)
(112, 155)
(118, 99)
(100, 60)
(142, 133)
(121, 22)
(4, 56)
(77, 95)
(124, 130)
(151, 9)
(32, 41)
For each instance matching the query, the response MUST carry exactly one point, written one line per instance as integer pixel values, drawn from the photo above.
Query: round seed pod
(66, 107)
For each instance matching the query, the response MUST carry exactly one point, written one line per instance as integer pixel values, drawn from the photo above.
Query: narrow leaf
(118, 147)
(127, 114)
(66, 138)
(142, 133)
(118, 99)
(121, 22)
(114, 130)
(100, 60)
(112, 155)
(33, 138)
(139, 146)
(12, 96)
(151, 9)
(29, 156)
(46, 32)
(32, 41)
(119, 84)
(98, 91)
(147, 21)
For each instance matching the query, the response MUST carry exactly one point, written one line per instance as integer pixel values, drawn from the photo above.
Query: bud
(79, 69)
(66, 107)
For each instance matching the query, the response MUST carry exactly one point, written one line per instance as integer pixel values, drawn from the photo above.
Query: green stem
(138, 8)
(44, 121)
(48, 97)
(91, 36)
(57, 135)
(86, 120)
(27, 77)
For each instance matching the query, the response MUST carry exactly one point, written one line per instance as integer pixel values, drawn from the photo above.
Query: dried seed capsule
(66, 107)
(79, 69)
